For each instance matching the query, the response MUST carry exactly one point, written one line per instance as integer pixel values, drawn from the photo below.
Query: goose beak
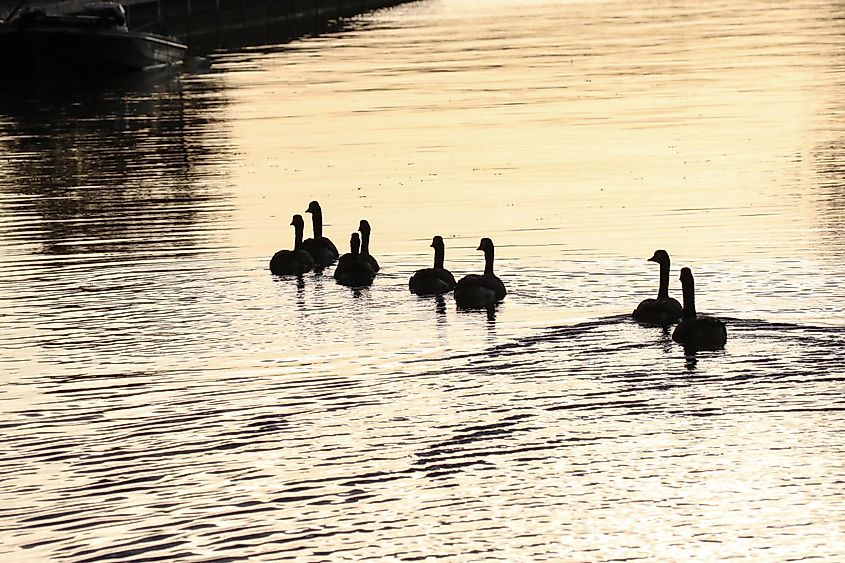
(651, 259)
(479, 247)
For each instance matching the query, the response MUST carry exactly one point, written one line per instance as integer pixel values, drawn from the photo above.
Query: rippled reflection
(90, 159)
(827, 159)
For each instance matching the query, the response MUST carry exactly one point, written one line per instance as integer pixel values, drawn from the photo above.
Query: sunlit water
(165, 398)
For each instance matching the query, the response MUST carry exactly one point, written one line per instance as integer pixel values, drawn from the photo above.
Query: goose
(321, 249)
(364, 229)
(694, 332)
(436, 280)
(296, 261)
(664, 310)
(480, 291)
(352, 268)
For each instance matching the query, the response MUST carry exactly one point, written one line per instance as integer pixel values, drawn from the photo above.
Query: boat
(93, 39)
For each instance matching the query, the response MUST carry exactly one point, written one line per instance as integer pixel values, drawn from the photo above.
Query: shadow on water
(111, 164)
(489, 312)
(209, 27)
(301, 294)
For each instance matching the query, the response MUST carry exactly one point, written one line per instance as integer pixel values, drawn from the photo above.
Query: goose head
(355, 244)
(660, 256)
(297, 221)
(437, 242)
(486, 245)
(313, 207)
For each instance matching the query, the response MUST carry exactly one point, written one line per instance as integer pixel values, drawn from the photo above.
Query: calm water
(165, 398)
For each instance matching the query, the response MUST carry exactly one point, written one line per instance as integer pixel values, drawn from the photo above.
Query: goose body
(664, 310)
(436, 280)
(353, 269)
(322, 250)
(479, 291)
(364, 229)
(296, 261)
(694, 332)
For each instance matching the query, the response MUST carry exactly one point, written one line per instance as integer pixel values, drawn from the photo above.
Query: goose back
(661, 312)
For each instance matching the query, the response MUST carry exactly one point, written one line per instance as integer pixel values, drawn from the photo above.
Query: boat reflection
(112, 164)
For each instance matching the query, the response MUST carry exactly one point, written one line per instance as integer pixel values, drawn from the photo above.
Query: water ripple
(166, 398)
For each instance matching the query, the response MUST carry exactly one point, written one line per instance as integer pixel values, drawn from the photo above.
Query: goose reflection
(690, 361)
(440, 306)
(491, 317)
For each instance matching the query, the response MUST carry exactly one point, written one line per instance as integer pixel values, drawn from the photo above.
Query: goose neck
(663, 290)
(297, 237)
(488, 261)
(317, 222)
(689, 298)
(365, 241)
(439, 256)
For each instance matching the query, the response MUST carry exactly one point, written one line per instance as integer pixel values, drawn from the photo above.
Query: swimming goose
(480, 291)
(296, 261)
(352, 268)
(321, 249)
(694, 332)
(436, 280)
(364, 229)
(664, 310)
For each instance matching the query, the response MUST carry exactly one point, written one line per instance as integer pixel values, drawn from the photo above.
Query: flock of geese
(358, 268)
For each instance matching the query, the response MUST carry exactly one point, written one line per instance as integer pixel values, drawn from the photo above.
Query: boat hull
(44, 48)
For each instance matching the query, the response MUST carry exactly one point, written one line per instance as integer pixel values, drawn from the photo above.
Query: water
(165, 398)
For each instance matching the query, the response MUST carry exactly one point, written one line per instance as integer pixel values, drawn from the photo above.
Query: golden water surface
(165, 398)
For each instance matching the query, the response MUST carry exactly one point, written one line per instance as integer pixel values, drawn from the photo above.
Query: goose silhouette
(481, 291)
(664, 310)
(353, 269)
(694, 332)
(364, 229)
(321, 249)
(296, 261)
(436, 280)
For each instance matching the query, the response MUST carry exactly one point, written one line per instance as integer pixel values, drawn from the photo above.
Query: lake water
(165, 398)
